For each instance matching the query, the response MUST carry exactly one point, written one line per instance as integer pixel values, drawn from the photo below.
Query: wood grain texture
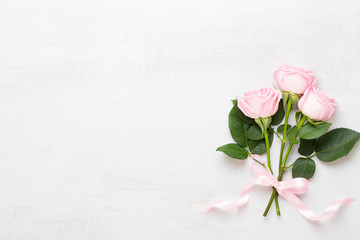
(111, 111)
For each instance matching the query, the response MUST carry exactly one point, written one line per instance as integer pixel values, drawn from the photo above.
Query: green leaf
(303, 167)
(241, 115)
(307, 147)
(233, 150)
(271, 137)
(309, 131)
(291, 135)
(277, 118)
(336, 144)
(237, 128)
(280, 129)
(259, 147)
(254, 133)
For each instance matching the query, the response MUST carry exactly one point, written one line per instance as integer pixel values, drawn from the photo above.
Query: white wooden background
(111, 111)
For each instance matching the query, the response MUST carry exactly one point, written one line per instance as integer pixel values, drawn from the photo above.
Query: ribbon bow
(286, 189)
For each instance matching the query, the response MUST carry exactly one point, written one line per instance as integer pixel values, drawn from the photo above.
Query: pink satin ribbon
(286, 189)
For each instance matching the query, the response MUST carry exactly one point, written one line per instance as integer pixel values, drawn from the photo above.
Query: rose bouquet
(252, 122)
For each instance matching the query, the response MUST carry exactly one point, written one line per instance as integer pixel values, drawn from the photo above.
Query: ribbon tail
(226, 205)
(310, 215)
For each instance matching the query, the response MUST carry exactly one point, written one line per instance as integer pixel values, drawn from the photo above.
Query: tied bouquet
(259, 116)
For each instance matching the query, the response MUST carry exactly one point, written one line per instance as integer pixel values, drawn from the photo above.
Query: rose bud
(294, 80)
(260, 105)
(316, 105)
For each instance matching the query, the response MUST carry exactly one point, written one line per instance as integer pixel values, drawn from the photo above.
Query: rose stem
(274, 192)
(268, 150)
(283, 167)
(283, 141)
(269, 165)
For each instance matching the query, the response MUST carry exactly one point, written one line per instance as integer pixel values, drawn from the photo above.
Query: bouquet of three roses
(259, 115)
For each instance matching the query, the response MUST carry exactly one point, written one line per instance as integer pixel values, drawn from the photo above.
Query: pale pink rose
(260, 103)
(316, 105)
(292, 79)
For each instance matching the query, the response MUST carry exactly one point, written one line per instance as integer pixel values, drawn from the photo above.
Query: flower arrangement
(252, 122)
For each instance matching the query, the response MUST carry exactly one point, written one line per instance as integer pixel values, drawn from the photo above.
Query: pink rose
(292, 79)
(316, 105)
(260, 103)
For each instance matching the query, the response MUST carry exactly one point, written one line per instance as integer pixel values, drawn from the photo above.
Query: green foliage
(280, 129)
(259, 147)
(307, 147)
(254, 133)
(234, 150)
(336, 144)
(237, 128)
(309, 131)
(303, 167)
(277, 118)
(291, 135)
(313, 137)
